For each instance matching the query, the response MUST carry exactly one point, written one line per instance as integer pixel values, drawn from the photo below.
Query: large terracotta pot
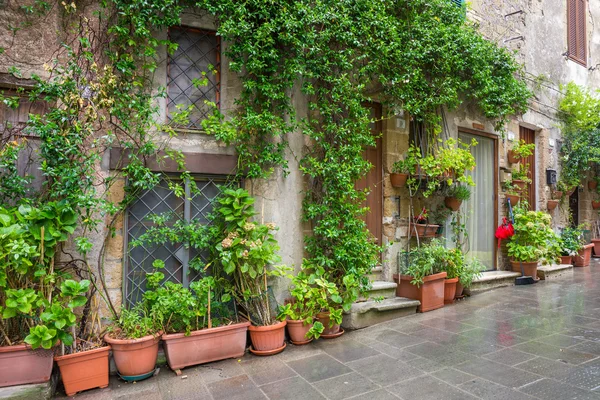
(323, 317)
(566, 260)
(423, 230)
(584, 257)
(205, 345)
(452, 203)
(85, 370)
(520, 184)
(20, 365)
(513, 158)
(459, 290)
(398, 180)
(592, 184)
(430, 293)
(595, 204)
(513, 199)
(135, 357)
(529, 268)
(450, 290)
(552, 204)
(298, 330)
(268, 338)
(596, 243)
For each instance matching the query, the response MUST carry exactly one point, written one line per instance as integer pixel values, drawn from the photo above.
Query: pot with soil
(398, 180)
(21, 365)
(84, 370)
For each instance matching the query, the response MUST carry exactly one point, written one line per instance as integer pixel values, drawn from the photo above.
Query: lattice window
(198, 50)
(577, 30)
(195, 205)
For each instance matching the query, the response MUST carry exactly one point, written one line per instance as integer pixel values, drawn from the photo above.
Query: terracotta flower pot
(450, 290)
(592, 184)
(570, 192)
(595, 204)
(20, 365)
(520, 184)
(205, 345)
(423, 230)
(513, 199)
(529, 268)
(452, 203)
(552, 204)
(398, 180)
(85, 370)
(268, 338)
(298, 330)
(430, 293)
(596, 243)
(566, 260)
(584, 257)
(323, 317)
(459, 290)
(513, 158)
(135, 357)
(557, 195)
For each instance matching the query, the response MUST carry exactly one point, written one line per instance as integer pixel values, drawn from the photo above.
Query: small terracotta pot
(566, 260)
(592, 184)
(529, 268)
(452, 203)
(20, 365)
(570, 192)
(584, 257)
(513, 158)
(596, 243)
(398, 180)
(323, 317)
(595, 204)
(267, 338)
(298, 330)
(423, 230)
(513, 199)
(430, 293)
(135, 357)
(85, 370)
(205, 345)
(450, 290)
(459, 290)
(552, 204)
(520, 184)
(557, 195)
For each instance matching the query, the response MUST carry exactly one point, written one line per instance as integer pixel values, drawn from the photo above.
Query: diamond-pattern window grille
(195, 205)
(197, 51)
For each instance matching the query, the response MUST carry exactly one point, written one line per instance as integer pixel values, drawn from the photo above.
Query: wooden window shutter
(458, 2)
(577, 30)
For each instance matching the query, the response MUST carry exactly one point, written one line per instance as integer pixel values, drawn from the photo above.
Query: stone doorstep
(550, 272)
(382, 289)
(493, 279)
(34, 391)
(372, 312)
(376, 273)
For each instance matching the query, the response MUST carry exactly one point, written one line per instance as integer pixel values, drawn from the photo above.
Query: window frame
(573, 54)
(217, 68)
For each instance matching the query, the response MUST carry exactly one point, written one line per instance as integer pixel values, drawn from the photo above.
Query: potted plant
(422, 278)
(595, 204)
(402, 169)
(471, 270)
(570, 240)
(36, 300)
(534, 241)
(520, 177)
(302, 310)
(519, 151)
(552, 204)
(452, 262)
(421, 227)
(584, 254)
(455, 195)
(512, 193)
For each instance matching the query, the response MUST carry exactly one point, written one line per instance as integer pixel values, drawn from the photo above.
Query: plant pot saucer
(267, 352)
(136, 378)
(334, 335)
(302, 343)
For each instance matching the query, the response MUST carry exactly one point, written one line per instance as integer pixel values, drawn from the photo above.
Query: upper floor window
(197, 56)
(576, 30)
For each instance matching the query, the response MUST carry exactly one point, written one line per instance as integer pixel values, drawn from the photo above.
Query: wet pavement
(523, 342)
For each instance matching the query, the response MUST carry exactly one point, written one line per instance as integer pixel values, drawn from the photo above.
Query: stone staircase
(380, 306)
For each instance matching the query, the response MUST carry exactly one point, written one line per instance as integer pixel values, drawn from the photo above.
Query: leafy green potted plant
(452, 262)
(534, 241)
(520, 177)
(471, 270)
(402, 169)
(519, 151)
(584, 254)
(570, 240)
(421, 227)
(422, 278)
(455, 195)
(512, 192)
(200, 325)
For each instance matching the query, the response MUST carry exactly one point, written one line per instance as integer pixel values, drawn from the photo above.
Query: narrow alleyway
(540, 341)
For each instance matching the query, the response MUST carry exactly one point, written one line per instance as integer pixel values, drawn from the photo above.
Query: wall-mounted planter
(452, 203)
(205, 345)
(584, 257)
(552, 204)
(450, 290)
(20, 365)
(566, 260)
(557, 195)
(529, 268)
(592, 184)
(430, 293)
(423, 230)
(513, 199)
(513, 158)
(85, 370)
(398, 180)
(135, 357)
(520, 184)
(595, 204)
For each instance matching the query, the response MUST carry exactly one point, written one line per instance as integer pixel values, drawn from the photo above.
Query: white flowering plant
(534, 239)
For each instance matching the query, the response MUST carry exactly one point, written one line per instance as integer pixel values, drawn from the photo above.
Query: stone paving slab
(515, 343)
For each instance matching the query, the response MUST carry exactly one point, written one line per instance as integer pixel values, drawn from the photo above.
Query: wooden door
(528, 136)
(373, 181)
(574, 207)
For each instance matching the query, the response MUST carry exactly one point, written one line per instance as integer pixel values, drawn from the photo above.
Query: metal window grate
(195, 205)
(196, 52)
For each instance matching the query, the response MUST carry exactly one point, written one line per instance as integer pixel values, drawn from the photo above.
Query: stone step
(373, 312)
(551, 272)
(493, 279)
(376, 274)
(381, 289)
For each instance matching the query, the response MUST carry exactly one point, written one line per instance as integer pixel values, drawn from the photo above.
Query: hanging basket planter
(513, 158)
(552, 204)
(452, 203)
(514, 199)
(398, 180)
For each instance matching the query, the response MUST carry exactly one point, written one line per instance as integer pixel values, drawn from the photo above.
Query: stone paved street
(528, 342)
